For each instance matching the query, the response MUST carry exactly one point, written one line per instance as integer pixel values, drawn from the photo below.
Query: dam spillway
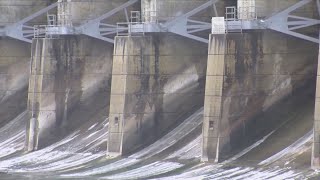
(111, 89)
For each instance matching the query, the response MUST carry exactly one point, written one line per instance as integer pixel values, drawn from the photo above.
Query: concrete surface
(69, 83)
(15, 59)
(247, 74)
(156, 82)
(315, 162)
(170, 9)
(85, 10)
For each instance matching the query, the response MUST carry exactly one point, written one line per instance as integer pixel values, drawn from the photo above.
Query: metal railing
(39, 31)
(232, 22)
(231, 14)
(130, 29)
(46, 31)
(133, 28)
(135, 16)
(123, 29)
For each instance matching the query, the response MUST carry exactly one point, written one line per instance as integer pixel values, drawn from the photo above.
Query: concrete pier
(71, 76)
(133, 75)
(68, 76)
(315, 161)
(213, 99)
(156, 83)
(246, 75)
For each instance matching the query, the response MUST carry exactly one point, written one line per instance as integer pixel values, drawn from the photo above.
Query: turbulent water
(81, 155)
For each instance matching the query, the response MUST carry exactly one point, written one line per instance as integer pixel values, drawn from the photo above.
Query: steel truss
(283, 22)
(183, 25)
(95, 28)
(21, 30)
(286, 23)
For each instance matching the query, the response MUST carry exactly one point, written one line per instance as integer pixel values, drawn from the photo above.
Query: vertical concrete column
(246, 9)
(54, 87)
(64, 13)
(35, 85)
(231, 98)
(315, 162)
(131, 115)
(15, 58)
(149, 10)
(212, 124)
(246, 76)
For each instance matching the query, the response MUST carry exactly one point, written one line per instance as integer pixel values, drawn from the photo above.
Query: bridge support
(229, 93)
(247, 75)
(157, 82)
(212, 138)
(315, 162)
(68, 75)
(54, 86)
(131, 117)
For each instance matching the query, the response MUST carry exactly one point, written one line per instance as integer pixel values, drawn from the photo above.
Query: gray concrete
(315, 162)
(14, 10)
(267, 7)
(71, 75)
(14, 72)
(247, 74)
(15, 59)
(69, 83)
(85, 10)
(174, 80)
(170, 9)
(156, 83)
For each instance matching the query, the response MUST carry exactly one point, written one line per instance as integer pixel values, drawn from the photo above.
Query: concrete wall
(15, 59)
(170, 9)
(14, 71)
(82, 11)
(156, 83)
(69, 82)
(15, 10)
(247, 74)
(315, 163)
(266, 8)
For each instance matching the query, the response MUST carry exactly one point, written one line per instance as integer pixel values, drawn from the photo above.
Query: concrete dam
(159, 89)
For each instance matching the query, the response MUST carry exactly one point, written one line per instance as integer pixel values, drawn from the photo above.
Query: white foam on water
(43, 155)
(191, 150)
(12, 145)
(153, 169)
(165, 142)
(294, 148)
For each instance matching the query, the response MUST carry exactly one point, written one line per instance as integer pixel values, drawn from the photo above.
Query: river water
(283, 153)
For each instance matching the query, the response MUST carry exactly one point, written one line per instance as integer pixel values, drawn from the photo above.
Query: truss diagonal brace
(180, 26)
(280, 22)
(16, 30)
(92, 28)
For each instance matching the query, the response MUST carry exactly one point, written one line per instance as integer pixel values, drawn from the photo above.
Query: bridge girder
(182, 25)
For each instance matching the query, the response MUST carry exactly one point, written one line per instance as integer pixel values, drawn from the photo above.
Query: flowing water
(283, 153)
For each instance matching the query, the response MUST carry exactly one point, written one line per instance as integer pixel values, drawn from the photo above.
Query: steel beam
(184, 26)
(95, 28)
(281, 21)
(21, 31)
